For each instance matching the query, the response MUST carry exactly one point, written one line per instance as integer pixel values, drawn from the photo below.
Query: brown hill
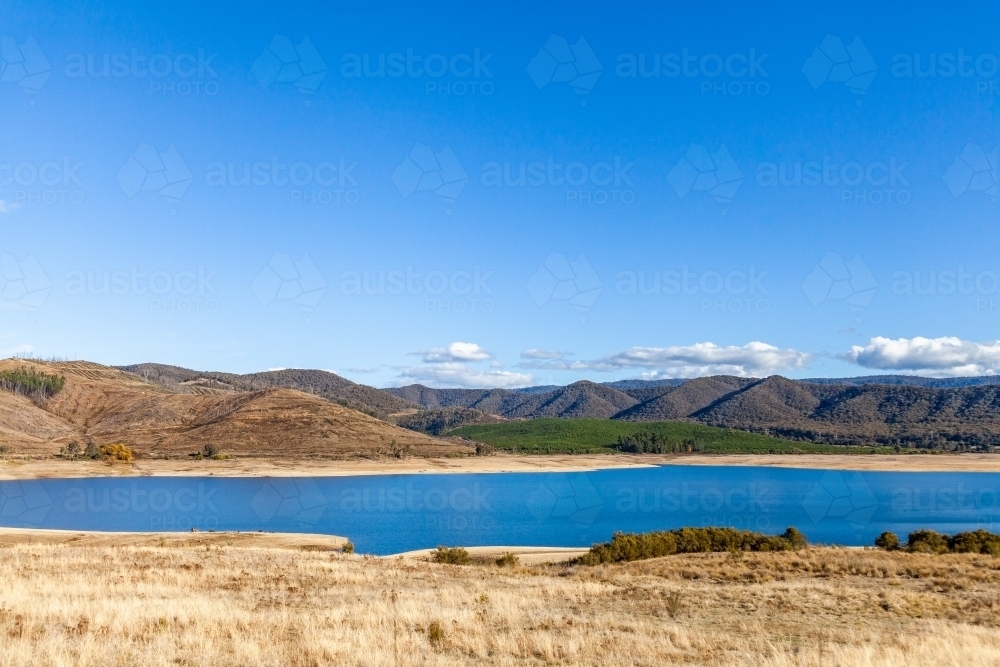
(330, 386)
(106, 405)
(684, 400)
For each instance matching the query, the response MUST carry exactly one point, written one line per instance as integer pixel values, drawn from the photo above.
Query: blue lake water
(386, 514)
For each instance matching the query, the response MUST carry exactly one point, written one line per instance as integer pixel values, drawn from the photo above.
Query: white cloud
(7, 207)
(455, 366)
(535, 353)
(276, 368)
(454, 374)
(455, 352)
(359, 369)
(700, 359)
(947, 356)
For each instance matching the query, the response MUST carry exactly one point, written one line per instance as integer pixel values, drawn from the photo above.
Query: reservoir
(385, 514)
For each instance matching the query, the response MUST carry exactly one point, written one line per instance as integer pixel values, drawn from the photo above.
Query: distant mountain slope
(580, 399)
(330, 386)
(859, 412)
(105, 405)
(911, 380)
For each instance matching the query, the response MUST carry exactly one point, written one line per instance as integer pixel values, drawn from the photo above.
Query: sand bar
(263, 467)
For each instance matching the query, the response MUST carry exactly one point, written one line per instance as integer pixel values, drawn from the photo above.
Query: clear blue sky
(458, 196)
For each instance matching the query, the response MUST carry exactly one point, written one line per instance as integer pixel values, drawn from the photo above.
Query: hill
(106, 405)
(914, 414)
(330, 386)
(547, 435)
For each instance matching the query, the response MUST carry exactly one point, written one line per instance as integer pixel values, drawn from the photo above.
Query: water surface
(385, 514)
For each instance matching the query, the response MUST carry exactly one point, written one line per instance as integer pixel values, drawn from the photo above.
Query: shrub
(31, 383)
(508, 560)
(348, 547)
(71, 450)
(117, 452)
(451, 556)
(927, 541)
(210, 450)
(640, 546)
(482, 449)
(976, 542)
(435, 633)
(888, 541)
(92, 451)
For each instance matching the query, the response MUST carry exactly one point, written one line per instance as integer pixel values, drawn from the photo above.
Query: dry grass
(220, 605)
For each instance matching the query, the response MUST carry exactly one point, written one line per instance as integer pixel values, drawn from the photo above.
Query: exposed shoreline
(12, 469)
(98, 538)
(529, 555)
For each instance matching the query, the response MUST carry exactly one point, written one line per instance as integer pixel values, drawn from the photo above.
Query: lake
(385, 514)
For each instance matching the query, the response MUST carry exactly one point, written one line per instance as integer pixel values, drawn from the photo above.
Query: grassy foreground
(218, 605)
(550, 436)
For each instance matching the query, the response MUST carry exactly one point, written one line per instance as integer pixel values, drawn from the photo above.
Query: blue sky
(705, 190)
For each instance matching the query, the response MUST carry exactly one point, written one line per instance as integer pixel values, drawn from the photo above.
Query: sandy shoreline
(300, 541)
(58, 468)
(95, 538)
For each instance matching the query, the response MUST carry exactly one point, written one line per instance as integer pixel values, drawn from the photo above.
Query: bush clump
(932, 542)
(451, 556)
(117, 452)
(640, 546)
(508, 560)
(31, 383)
(888, 541)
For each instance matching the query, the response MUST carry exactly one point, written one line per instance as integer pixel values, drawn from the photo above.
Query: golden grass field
(215, 604)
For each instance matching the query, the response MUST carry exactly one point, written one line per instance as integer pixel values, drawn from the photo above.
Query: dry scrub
(230, 605)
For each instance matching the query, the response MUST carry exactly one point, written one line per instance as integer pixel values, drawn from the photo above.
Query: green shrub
(927, 541)
(347, 548)
(888, 541)
(508, 560)
(31, 383)
(976, 542)
(451, 556)
(640, 546)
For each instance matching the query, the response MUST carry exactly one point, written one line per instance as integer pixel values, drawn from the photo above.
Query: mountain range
(177, 413)
(919, 414)
(169, 410)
